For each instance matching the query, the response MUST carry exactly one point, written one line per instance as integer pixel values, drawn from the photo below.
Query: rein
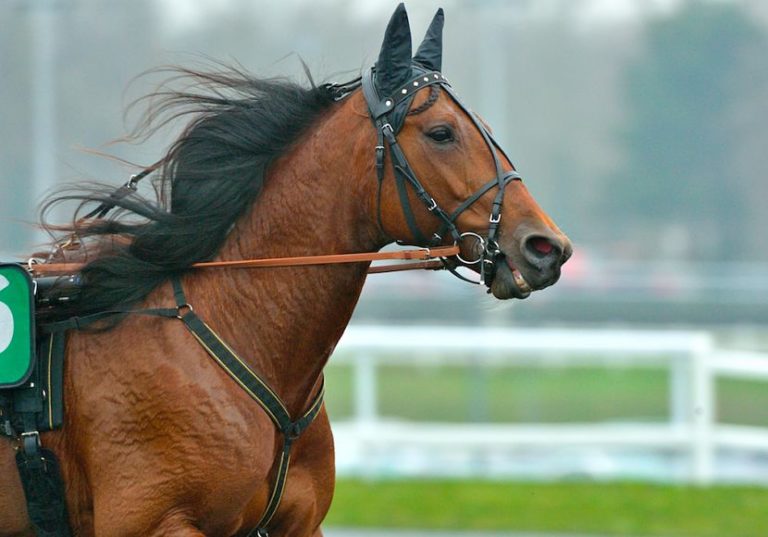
(426, 258)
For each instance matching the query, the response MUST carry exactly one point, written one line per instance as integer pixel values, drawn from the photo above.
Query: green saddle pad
(17, 331)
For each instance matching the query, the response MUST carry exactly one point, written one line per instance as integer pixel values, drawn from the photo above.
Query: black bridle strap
(501, 177)
(508, 177)
(403, 173)
(381, 110)
(490, 140)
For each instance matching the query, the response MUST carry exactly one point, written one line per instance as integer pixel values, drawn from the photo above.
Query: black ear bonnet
(395, 65)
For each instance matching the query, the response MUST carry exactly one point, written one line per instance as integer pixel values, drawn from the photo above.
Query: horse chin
(509, 283)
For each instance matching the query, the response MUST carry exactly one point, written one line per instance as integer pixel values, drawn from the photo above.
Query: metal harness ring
(481, 243)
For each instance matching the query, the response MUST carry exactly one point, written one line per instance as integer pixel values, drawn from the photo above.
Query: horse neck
(317, 199)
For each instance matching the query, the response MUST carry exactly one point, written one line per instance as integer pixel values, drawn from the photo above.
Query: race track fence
(693, 362)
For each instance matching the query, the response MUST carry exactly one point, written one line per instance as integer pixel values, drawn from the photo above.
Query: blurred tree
(677, 189)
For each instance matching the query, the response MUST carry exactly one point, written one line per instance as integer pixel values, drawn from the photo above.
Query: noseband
(388, 114)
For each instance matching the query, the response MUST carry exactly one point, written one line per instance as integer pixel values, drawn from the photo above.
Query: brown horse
(158, 439)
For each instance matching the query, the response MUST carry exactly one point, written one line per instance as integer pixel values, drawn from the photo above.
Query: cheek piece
(388, 114)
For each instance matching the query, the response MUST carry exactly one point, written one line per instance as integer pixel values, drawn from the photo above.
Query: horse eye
(441, 135)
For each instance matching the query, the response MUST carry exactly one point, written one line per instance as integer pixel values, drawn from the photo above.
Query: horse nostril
(541, 251)
(541, 245)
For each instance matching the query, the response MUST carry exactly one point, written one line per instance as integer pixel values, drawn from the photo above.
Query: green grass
(529, 394)
(608, 509)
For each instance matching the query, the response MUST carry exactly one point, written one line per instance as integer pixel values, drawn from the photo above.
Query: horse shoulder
(167, 429)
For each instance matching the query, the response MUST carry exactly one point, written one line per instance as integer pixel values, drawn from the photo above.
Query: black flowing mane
(206, 180)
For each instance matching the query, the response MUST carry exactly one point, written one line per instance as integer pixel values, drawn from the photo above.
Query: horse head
(443, 177)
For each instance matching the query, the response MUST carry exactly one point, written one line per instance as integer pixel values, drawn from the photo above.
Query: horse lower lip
(520, 282)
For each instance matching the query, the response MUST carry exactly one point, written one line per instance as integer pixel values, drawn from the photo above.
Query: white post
(702, 412)
(365, 411)
(680, 390)
(365, 389)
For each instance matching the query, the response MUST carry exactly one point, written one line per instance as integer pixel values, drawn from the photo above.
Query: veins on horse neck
(293, 316)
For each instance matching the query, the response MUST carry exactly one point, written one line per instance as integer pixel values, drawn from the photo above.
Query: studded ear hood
(395, 65)
(393, 68)
(430, 53)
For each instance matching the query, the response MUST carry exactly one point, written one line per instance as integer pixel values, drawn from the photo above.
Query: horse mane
(207, 179)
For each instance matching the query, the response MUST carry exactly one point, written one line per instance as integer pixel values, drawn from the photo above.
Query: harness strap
(420, 254)
(403, 173)
(78, 323)
(236, 368)
(387, 114)
(258, 390)
(382, 114)
(128, 188)
(509, 176)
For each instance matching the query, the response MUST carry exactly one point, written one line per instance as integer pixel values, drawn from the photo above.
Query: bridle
(388, 114)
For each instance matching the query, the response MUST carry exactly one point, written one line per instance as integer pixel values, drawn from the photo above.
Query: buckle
(31, 434)
(30, 442)
(185, 306)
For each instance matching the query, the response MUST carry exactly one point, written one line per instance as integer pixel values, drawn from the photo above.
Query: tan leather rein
(425, 258)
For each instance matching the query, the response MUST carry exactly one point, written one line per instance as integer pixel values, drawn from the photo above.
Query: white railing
(692, 361)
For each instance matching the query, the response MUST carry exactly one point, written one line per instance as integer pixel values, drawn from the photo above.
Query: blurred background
(641, 126)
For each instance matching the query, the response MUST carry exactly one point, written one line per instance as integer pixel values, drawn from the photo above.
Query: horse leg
(14, 521)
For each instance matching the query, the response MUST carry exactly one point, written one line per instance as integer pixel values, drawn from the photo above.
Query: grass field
(543, 395)
(606, 509)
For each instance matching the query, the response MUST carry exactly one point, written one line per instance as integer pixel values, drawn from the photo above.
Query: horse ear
(430, 53)
(394, 66)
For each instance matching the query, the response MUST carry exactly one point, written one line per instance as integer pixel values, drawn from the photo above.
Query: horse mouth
(509, 282)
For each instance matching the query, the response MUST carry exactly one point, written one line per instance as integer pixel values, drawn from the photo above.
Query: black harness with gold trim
(37, 406)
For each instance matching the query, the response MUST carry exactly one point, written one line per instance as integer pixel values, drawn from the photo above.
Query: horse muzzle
(532, 264)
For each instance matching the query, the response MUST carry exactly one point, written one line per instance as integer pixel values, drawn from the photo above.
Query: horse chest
(309, 486)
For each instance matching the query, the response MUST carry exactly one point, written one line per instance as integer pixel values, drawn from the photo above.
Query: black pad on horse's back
(41, 478)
